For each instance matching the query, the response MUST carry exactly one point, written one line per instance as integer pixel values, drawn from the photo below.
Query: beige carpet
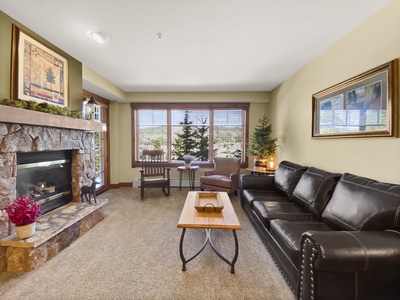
(134, 254)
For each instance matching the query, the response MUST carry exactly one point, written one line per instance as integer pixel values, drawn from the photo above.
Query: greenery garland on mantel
(42, 107)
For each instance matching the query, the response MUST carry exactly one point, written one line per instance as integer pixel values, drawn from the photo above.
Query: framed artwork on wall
(363, 106)
(38, 73)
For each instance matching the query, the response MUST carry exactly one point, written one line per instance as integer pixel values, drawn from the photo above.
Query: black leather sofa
(333, 236)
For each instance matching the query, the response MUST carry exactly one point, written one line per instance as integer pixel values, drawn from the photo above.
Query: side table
(260, 171)
(192, 174)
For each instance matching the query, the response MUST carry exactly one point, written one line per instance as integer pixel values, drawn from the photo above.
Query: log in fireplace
(46, 177)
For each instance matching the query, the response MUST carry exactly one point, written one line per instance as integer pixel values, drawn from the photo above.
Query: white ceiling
(207, 45)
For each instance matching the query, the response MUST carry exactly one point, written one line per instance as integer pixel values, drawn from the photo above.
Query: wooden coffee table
(226, 219)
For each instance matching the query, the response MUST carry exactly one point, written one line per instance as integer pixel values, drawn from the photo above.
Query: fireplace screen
(46, 177)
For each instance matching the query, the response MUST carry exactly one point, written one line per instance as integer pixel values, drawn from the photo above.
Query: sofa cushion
(217, 180)
(286, 210)
(287, 175)
(315, 189)
(360, 203)
(259, 195)
(287, 234)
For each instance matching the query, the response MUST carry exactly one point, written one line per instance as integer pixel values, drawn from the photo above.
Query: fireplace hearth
(46, 177)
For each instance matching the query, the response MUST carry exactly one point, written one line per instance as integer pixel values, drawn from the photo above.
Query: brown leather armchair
(224, 177)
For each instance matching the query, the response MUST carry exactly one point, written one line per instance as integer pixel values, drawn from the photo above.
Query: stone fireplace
(75, 137)
(16, 138)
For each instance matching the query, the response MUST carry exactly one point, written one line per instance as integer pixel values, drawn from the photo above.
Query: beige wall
(120, 131)
(99, 83)
(373, 43)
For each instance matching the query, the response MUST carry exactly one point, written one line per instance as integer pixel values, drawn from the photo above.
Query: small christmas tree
(261, 144)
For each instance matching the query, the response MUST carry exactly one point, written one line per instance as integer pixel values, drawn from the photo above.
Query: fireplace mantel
(9, 114)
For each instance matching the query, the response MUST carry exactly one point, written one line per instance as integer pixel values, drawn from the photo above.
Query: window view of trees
(202, 133)
(152, 130)
(203, 139)
(228, 133)
(190, 139)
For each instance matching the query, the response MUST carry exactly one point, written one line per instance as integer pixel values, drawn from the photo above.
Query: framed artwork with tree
(38, 73)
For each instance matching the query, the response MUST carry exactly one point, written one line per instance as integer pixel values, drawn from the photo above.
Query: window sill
(209, 165)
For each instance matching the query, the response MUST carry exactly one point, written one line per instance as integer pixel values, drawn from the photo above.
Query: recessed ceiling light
(99, 37)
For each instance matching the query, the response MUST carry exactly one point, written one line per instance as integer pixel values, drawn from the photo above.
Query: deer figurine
(88, 190)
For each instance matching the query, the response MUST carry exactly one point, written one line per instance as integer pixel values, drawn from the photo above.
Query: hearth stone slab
(55, 232)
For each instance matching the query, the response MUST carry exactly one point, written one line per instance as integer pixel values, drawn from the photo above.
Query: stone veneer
(26, 138)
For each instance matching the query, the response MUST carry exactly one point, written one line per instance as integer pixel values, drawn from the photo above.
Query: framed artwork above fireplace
(38, 73)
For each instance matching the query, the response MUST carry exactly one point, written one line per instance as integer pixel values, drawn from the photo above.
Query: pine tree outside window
(191, 135)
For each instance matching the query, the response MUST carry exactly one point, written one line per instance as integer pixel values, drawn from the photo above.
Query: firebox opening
(46, 177)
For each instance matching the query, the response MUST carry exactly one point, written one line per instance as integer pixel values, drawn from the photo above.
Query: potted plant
(23, 212)
(262, 145)
(188, 160)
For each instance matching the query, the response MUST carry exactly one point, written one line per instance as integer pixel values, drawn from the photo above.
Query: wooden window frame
(189, 106)
(105, 119)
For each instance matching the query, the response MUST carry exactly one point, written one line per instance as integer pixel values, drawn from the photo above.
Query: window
(101, 152)
(101, 144)
(99, 158)
(201, 130)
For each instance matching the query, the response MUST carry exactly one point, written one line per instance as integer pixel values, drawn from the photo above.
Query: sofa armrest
(234, 177)
(257, 182)
(354, 251)
(347, 256)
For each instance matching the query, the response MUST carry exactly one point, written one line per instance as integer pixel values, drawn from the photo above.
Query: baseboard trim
(121, 184)
(136, 183)
(174, 182)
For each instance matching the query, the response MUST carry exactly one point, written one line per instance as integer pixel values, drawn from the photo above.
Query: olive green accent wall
(5, 55)
(75, 67)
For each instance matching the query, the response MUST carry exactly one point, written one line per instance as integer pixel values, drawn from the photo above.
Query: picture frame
(362, 106)
(38, 73)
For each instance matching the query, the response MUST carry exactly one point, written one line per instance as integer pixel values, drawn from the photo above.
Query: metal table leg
(180, 180)
(191, 180)
(208, 241)
(184, 260)
(233, 261)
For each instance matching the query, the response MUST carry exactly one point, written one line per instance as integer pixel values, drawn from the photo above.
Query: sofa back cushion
(315, 189)
(360, 203)
(287, 175)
